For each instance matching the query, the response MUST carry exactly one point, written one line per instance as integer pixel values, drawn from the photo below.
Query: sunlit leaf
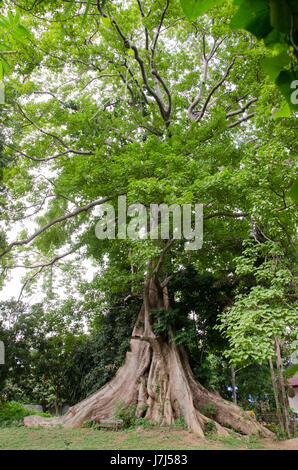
(274, 65)
(195, 8)
(294, 191)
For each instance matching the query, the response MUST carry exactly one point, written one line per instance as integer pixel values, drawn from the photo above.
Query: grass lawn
(22, 438)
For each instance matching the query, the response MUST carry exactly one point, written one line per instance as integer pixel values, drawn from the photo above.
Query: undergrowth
(12, 413)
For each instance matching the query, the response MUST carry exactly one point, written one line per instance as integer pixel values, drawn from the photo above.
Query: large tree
(132, 99)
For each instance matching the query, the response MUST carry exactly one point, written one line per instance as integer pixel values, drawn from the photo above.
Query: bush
(127, 413)
(209, 427)
(280, 435)
(144, 423)
(209, 410)
(180, 422)
(13, 413)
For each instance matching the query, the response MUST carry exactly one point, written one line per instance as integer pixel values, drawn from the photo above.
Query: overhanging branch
(77, 211)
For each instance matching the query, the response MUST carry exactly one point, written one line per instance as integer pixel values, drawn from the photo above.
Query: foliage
(267, 311)
(127, 413)
(280, 435)
(209, 409)
(209, 427)
(291, 371)
(38, 343)
(180, 422)
(12, 35)
(276, 22)
(13, 413)
(174, 321)
(96, 357)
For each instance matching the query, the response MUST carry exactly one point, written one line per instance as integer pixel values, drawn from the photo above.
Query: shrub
(209, 427)
(209, 410)
(13, 413)
(280, 435)
(144, 423)
(180, 422)
(127, 413)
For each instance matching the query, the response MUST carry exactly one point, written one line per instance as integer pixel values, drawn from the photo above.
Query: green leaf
(254, 16)
(86, 12)
(274, 65)
(287, 83)
(4, 47)
(284, 111)
(195, 8)
(68, 8)
(17, 17)
(20, 32)
(10, 17)
(280, 15)
(106, 22)
(291, 371)
(4, 23)
(5, 69)
(276, 40)
(294, 191)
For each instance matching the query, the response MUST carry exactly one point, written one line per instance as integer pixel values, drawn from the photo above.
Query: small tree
(260, 319)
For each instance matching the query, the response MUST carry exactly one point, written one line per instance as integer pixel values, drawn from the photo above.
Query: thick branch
(34, 158)
(205, 59)
(127, 43)
(245, 118)
(226, 214)
(55, 221)
(162, 256)
(199, 116)
(242, 109)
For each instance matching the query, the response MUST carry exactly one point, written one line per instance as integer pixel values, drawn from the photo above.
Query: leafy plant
(11, 33)
(127, 413)
(209, 409)
(180, 422)
(144, 423)
(280, 435)
(13, 413)
(209, 427)
(176, 321)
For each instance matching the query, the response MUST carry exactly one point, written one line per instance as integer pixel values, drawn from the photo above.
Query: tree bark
(157, 377)
(56, 403)
(276, 397)
(233, 384)
(285, 403)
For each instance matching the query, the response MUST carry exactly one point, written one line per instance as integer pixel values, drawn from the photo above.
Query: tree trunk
(276, 397)
(157, 377)
(56, 403)
(233, 377)
(285, 403)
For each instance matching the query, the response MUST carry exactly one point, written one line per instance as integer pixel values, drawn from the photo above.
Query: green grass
(235, 442)
(22, 438)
